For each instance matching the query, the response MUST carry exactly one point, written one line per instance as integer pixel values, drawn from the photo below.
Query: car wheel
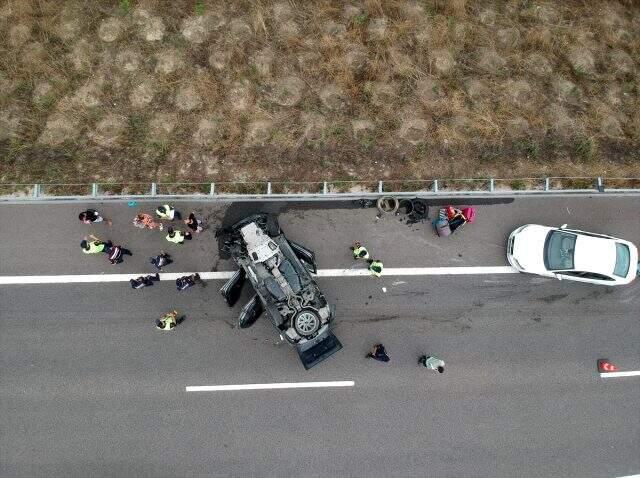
(387, 205)
(306, 322)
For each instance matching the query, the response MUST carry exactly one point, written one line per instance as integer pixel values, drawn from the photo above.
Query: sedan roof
(594, 254)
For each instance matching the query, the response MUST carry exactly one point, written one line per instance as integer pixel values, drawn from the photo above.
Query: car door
(321, 347)
(233, 287)
(307, 257)
(250, 312)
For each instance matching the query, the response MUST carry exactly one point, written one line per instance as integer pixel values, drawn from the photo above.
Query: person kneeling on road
(115, 254)
(167, 212)
(177, 237)
(91, 216)
(432, 363)
(94, 246)
(169, 321)
(184, 282)
(144, 281)
(375, 267)
(359, 251)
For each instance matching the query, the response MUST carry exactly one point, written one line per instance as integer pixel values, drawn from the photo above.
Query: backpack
(469, 213)
(442, 227)
(115, 253)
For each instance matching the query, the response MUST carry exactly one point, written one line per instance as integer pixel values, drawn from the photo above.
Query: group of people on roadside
(115, 252)
(360, 252)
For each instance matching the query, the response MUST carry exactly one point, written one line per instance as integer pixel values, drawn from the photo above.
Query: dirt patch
(197, 29)
(442, 62)
(240, 30)
(240, 96)
(538, 64)
(487, 17)
(41, 90)
(381, 94)
(60, 128)
(161, 126)
(315, 126)
(350, 12)
(9, 124)
(508, 38)
(611, 127)
(517, 127)
(356, 59)
(110, 29)
(477, 90)
(621, 63)
(142, 93)
(19, 34)
(519, 93)
(377, 28)
(559, 121)
(429, 91)
(150, 28)
(209, 132)
(567, 91)
(286, 91)
(219, 59)
(81, 55)
(334, 29)
(362, 128)
(262, 61)
(333, 97)
(187, 98)
(258, 133)
(168, 61)
(581, 60)
(109, 130)
(414, 130)
(490, 61)
(89, 95)
(129, 60)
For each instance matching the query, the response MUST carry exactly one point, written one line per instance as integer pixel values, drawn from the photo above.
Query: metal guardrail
(324, 189)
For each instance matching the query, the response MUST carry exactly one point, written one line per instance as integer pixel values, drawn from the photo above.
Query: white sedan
(573, 255)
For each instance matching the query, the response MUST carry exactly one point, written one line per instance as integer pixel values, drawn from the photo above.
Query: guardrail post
(154, 189)
(212, 189)
(600, 185)
(94, 189)
(435, 185)
(269, 187)
(491, 185)
(546, 184)
(380, 187)
(324, 188)
(36, 191)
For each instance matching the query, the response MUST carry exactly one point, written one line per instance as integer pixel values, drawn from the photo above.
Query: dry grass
(181, 90)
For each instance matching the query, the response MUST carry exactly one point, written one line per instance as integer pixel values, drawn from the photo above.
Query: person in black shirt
(379, 353)
(161, 260)
(184, 282)
(143, 281)
(194, 223)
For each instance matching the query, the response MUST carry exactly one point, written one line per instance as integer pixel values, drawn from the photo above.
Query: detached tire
(387, 205)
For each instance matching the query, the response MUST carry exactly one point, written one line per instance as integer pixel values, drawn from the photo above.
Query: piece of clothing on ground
(146, 221)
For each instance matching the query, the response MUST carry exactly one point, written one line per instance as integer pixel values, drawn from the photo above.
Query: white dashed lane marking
(268, 386)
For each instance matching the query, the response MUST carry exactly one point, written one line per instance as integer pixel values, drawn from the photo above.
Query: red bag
(469, 214)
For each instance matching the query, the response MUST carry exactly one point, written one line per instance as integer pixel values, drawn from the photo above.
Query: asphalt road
(89, 387)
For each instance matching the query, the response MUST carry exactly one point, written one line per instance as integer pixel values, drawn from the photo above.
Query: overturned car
(280, 272)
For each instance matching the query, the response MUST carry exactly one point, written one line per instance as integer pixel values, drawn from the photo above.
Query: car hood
(528, 247)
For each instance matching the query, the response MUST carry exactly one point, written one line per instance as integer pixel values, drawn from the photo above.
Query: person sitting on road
(194, 223)
(167, 212)
(379, 353)
(375, 267)
(116, 252)
(91, 216)
(184, 282)
(432, 363)
(94, 246)
(144, 281)
(359, 251)
(161, 260)
(178, 236)
(169, 321)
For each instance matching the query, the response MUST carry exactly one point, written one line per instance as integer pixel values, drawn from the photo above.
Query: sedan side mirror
(564, 226)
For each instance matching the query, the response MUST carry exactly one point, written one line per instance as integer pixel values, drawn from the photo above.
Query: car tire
(387, 205)
(306, 322)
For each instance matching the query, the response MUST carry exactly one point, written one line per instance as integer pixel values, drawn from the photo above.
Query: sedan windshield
(558, 250)
(622, 260)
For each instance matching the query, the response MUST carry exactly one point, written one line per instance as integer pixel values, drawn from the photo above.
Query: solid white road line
(631, 373)
(630, 476)
(268, 386)
(408, 271)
